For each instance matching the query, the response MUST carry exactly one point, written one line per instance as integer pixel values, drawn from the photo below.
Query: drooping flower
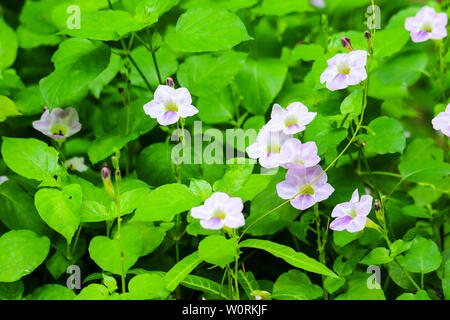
(427, 24)
(345, 69)
(76, 163)
(352, 215)
(169, 104)
(59, 123)
(305, 182)
(220, 210)
(267, 148)
(294, 154)
(3, 179)
(291, 120)
(442, 121)
(317, 3)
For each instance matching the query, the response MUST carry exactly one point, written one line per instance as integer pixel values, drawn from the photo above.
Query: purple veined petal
(357, 58)
(340, 223)
(339, 82)
(419, 36)
(357, 224)
(364, 206)
(187, 111)
(341, 210)
(286, 190)
(356, 75)
(438, 33)
(234, 205)
(323, 192)
(275, 125)
(412, 24)
(163, 94)
(355, 196)
(181, 96)
(277, 112)
(269, 160)
(303, 202)
(293, 129)
(212, 223)
(200, 212)
(168, 118)
(328, 74)
(154, 109)
(253, 151)
(234, 220)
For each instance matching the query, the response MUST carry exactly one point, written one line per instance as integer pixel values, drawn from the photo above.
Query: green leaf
(77, 62)
(106, 252)
(51, 292)
(30, 158)
(416, 211)
(400, 246)
(281, 8)
(204, 285)
(218, 107)
(358, 289)
(180, 271)
(197, 32)
(390, 41)
(430, 171)
(11, 290)
(114, 25)
(385, 135)
(259, 83)
(201, 188)
(254, 186)
(60, 209)
(7, 108)
(353, 102)
(306, 52)
(220, 72)
(167, 201)
(332, 285)
(297, 259)
(105, 146)
(234, 179)
(93, 291)
(21, 252)
(106, 76)
(8, 45)
(377, 256)
(151, 10)
(419, 295)
(216, 249)
(423, 257)
(295, 285)
(147, 287)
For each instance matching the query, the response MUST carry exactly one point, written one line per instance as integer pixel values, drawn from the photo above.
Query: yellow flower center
(273, 148)
(172, 107)
(427, 27)
(58, 130)
(307, 190)
(352, 213)
(220, 214)
(290, 122)
(343, 69)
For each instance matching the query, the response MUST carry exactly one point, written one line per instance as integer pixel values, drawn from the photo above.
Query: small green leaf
(216, 249)
(353, 102)
(204, 285)
(377, 256)
(8, 45)
(7, 108)
(51, 292)
(295, 285)
(422, 257)
(201, 188)
(147, 287)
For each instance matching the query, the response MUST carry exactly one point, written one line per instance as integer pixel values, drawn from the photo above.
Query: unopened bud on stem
(368, 37)
(106, 177)
(377, 207)
(346, 43)
(169, 82)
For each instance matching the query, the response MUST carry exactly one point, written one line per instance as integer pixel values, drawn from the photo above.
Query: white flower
(169, 104)
(291, 120)
(76, 163)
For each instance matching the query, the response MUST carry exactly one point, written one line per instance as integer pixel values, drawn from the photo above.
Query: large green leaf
(148, 286)
(60, 209)
(295, 285)
(51, 292)
(166, 201)
(281, 8)
(197, 32)
(30, 158)
(297, 259)
(216, 249)
(21, 252)
(234, 179)
(77, 62)
(260, 82)
(358, 289)
(8, 45)
(180, 271)
(205, 285)
(423, 257)
(220, 72)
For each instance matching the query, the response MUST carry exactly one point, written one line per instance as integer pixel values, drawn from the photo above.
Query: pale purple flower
(427, 24)
(294, 154)
(442, 121)
(345, 69)
(76, 163)
(59, 123)
(169, 104)
(304, 183)
(3, 179)
(291, 120)
(220, 210)
(267, 148)
(317, 3)
(351, 215)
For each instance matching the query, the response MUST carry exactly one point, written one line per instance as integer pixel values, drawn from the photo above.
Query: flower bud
(368, 37)
(377, 208)
(346, 43)
(44, 109)
(169, 82)
(106, 177)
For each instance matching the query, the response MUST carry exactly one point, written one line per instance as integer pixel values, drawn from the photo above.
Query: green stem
(321, 241)
(236, 266)
(155, 62)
